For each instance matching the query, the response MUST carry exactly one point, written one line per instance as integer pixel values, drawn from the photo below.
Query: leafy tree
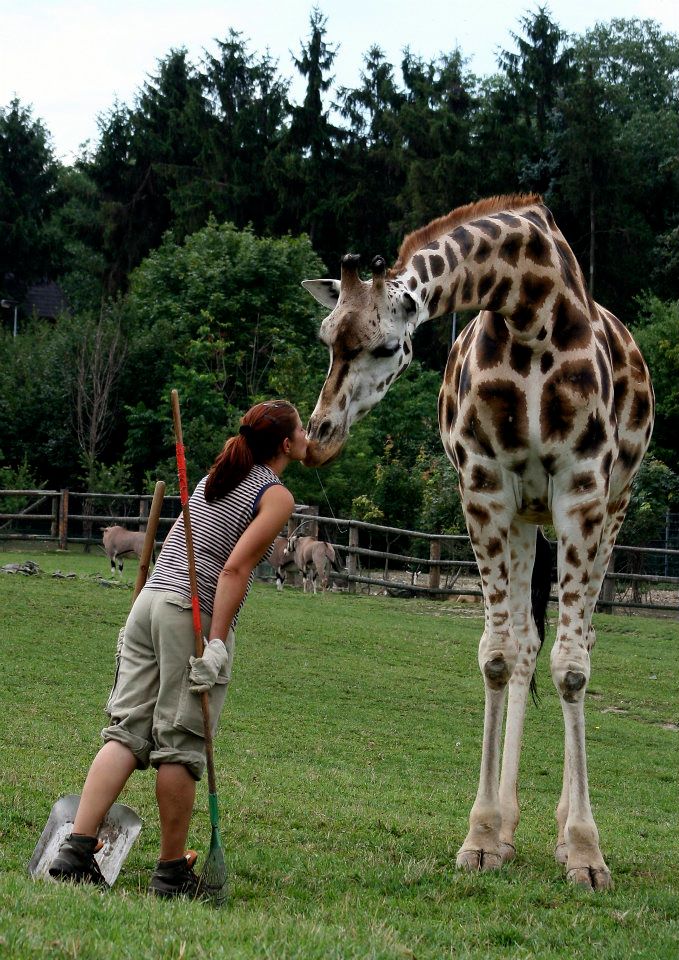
(657, 335)
(28, 177)
(249, 108)
(216, 316)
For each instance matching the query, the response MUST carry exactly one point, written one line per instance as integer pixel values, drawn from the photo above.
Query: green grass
(347, 761)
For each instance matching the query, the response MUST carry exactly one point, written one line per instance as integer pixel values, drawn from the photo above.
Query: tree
(28, 177)
(657, 334)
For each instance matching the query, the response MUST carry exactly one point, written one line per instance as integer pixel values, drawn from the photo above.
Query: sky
(71, 59)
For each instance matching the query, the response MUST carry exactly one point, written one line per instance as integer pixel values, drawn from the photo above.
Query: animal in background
(281, 561)
(314, 558)
(120, 542)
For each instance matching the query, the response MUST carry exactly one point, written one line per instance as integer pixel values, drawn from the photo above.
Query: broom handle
(150, 538)
(193, 583)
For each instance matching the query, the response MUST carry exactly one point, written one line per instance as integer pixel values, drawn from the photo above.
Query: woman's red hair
(262, 432)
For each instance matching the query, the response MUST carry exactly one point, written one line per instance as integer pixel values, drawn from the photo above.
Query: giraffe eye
(387, 349)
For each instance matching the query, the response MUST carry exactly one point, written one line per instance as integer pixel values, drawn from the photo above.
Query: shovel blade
(118, 832)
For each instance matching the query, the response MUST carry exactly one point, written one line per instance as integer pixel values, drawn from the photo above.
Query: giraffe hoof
(592, 878)
(507, 851)
(561, 853)
(475, 860)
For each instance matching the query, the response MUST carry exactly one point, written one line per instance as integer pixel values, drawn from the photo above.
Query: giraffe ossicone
(545, 411)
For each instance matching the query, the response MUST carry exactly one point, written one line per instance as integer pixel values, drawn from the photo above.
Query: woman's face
(297, 443)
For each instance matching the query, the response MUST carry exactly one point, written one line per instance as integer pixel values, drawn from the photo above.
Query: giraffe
(545, 411)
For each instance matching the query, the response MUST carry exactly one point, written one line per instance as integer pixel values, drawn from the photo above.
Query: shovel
(121, 825)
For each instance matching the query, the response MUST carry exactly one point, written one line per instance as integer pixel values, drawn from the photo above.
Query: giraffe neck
(515, 264)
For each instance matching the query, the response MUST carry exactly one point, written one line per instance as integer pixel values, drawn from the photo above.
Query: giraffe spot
(498, 298)
(343, 401)
(606, 465)
(537, 247)
(572, 556)
(583, 482)
(484, 571)
(389, 379)
(637, 366)
(407, 349)
(492, 341)
(465, 382)
(468, 287)
(570, 328)
(436, 264)
(464, 240)
(592, 438)
(566, 580)
(483, 479)
(478, 513)
(488, 227)
(629, 456)
(451, 259)
(497, 596)
(569, 266)
(619, 395)
(519, 467)
(618, 357)
(590, 520)
(460, 454)
(535, 218)
(639, 411)
(542, 334)
(451, 412)
(508, 218)
(548, 462)
(592, 552)
(508, 412)
(604, 376)
(584, 579)
(510, 248)
(520, 357)
(475, 435)
(522, 316)
(485, 284)
(483, 251)
(420, 265)
(535, 290)
(546, 362)
(434, 302)
(502, 571)
(412, 283)
(565, 620)
(557, 411)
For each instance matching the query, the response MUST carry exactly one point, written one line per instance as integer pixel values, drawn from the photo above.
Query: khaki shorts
(151, 708)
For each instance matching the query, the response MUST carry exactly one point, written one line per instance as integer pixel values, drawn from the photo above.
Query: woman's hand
(206, 669)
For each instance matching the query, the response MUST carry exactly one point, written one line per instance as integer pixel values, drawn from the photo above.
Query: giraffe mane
(431, 231)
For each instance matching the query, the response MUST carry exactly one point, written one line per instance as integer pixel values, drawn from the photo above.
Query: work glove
(206, 669)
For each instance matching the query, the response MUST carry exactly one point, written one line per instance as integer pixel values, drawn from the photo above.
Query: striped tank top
(216, 528)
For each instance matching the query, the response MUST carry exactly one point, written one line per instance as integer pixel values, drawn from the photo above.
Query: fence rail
(371, 557)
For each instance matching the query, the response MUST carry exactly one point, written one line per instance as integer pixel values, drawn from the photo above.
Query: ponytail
(262, 431)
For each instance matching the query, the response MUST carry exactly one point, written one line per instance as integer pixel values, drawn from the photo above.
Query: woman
(154, 707)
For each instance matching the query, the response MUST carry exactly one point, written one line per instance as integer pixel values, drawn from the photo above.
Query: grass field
(347, 760)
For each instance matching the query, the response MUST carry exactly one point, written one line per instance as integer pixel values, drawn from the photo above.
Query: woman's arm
(275, 508)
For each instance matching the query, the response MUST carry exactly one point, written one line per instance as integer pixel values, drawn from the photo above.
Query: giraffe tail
(539, 594)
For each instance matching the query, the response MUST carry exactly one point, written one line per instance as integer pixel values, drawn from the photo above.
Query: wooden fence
(371, 557)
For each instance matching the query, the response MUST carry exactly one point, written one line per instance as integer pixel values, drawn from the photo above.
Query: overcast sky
(71, 59)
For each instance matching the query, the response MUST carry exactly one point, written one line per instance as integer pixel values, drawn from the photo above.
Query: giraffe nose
(321, 431)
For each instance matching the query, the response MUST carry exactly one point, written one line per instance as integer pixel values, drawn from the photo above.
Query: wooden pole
(63, 519)
(352, 558)
(435, 570)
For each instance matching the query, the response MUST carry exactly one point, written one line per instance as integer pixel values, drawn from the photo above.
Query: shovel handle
(150, 538)
(193, 583)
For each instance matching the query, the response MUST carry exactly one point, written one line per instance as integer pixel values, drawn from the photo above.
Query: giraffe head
(368, 335)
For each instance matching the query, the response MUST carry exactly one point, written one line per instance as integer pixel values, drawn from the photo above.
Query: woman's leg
(175, 793)
(110, 771)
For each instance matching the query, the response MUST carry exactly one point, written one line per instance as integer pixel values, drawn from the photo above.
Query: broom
(212, 883)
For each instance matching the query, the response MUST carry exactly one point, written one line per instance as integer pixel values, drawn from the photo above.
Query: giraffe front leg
(522, 558)
(483, 848)
(583, 532)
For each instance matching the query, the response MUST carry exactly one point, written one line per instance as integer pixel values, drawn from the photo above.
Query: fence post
(352, 558)
(63, 519)
(54, 528)
(607, 594)
(435, 570)
(143, 513)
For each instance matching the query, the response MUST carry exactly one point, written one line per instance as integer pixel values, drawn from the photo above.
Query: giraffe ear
(325, 291)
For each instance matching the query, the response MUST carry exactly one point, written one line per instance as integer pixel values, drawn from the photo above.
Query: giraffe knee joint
(571, 685)
(497, 672)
